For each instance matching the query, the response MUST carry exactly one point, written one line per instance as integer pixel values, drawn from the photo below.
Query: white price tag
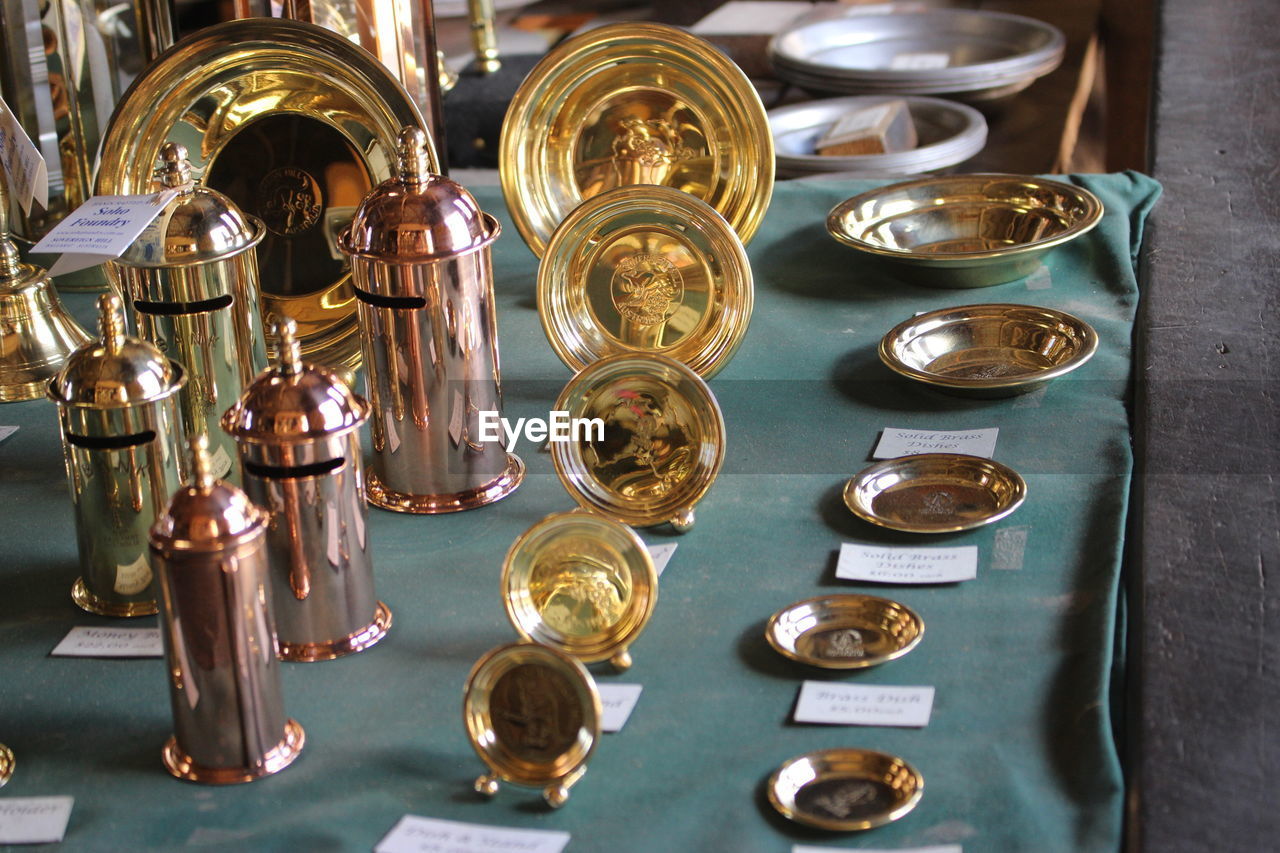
(895, 442)
(415, 834)
(907, 565)
(86, 642)
(919, 61)
(34, 820)
(21, 161)
(933, 848)
(618, 701)
(6, 431)
(864, 704)
(661, 554)
(220, 463)
(100, 229)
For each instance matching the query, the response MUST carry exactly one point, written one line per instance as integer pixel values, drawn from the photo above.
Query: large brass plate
(645, 269)
(848, 631)
(634, 103)
(296, 125)
(935, 493)
(845, 789)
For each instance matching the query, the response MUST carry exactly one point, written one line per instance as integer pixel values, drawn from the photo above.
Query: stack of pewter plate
(970, 54)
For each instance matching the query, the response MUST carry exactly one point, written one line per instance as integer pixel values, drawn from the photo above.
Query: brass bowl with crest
(845, 790)
(846, 631)
(935, 493)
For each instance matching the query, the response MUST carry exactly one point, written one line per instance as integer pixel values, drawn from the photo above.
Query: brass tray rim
(808, 819)
(877, 468)
(771, 633)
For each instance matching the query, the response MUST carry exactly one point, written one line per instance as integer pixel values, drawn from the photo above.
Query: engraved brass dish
(645, 269)
(844, 631)
(971, 230)
(988, 350)
(295, 125)
(582, 583)
(935, 493)
(634, 103)
(663, 440)
(533, 716)
(845, 789)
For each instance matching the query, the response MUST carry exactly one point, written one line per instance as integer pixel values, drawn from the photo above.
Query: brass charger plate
(645, 269)
(634, 103)
(663, 440)
(582, 583)
(533, 716)
(296, 125)
(845, 789)
(844, 631)
(935, 493)
(995, 350)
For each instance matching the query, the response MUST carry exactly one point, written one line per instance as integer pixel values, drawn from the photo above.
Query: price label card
(895, 442)
(661, 555)
(101, 229)
(21, 161)
(415, 834)
(907, 565)
(933, 848)
(864, 704)
(919, 61)
(6, 431)
(618, 701)
(85, 642)
(34, 820)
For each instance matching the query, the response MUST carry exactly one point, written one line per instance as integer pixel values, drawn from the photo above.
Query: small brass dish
(7, 763)
(844, 631)
(845, 790)
(935, 493)
(965, 230)
(645, 269)
(533, 716)
(661, 446)
(581, 583)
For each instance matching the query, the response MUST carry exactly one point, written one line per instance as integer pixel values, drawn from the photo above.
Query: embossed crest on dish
(845, 789)
(847, 631)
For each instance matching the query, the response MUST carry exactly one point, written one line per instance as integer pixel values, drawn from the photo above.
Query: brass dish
(645, 269)
(663, 440)
(533, 716)
(7, 762)
(988, 350)
(935, 493)
(295, 124)
(845, 789)
(634, 103)
(844, 631)
(965, 230)
(582, 583)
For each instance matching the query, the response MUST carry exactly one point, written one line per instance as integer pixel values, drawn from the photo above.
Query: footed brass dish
(634, 103)
(844, 631)
(964, 230)
(845, 789)
(935, 493)
(993, 350)
(645, 269)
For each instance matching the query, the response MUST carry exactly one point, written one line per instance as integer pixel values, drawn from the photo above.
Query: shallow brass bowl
(935, 493)
(296, 125)
(993, 350)
(634, 103)
(663, 440)
(645, 269)
(844, 631)
(964, 230)
(845, 789)
(582, 583)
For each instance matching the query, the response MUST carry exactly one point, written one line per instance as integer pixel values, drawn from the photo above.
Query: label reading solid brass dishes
(935, 493)
(844, 631)
(533, 716)
(634, 103)
(582, 583)
(663, 440)
(845, 789)
(645, 269)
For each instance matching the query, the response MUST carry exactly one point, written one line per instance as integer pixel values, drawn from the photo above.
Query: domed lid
(116, 371)
(294, 402)
(198, 225)
(15, 276)
(417, 216)
(207, 514)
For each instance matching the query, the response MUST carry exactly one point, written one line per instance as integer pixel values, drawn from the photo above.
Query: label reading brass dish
(845, 789)
(844, 631)
(935, 493)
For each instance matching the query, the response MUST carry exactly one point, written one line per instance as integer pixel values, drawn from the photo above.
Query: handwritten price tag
(661, 554)
(864, 704)
(85, 642)
(907, 565)
(21, 161)
(415, 834)
(34, 820)
(618, 701)
(895, 442)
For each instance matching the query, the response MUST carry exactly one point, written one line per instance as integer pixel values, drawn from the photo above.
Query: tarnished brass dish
(582, 583)
(645, 269)
(993, 350)
(845, 789)
(965, 230)
(660, 448)
(634, 103)
(935, 492)
(844, 631)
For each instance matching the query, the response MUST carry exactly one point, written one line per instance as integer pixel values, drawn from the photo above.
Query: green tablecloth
(1020, 754)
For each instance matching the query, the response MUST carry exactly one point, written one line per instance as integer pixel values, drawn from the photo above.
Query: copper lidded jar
(192, 280)
(117, 406)
(297, 431)
(419, 247)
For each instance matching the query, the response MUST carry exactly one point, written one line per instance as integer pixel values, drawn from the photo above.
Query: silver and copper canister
(121, 437)
(192, 280)
(297, 430)
(419, 247)
(209, 549)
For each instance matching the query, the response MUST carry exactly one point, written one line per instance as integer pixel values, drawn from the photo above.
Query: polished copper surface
(183, 766)
(845, 790)
(847, 631)
(935, 493)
